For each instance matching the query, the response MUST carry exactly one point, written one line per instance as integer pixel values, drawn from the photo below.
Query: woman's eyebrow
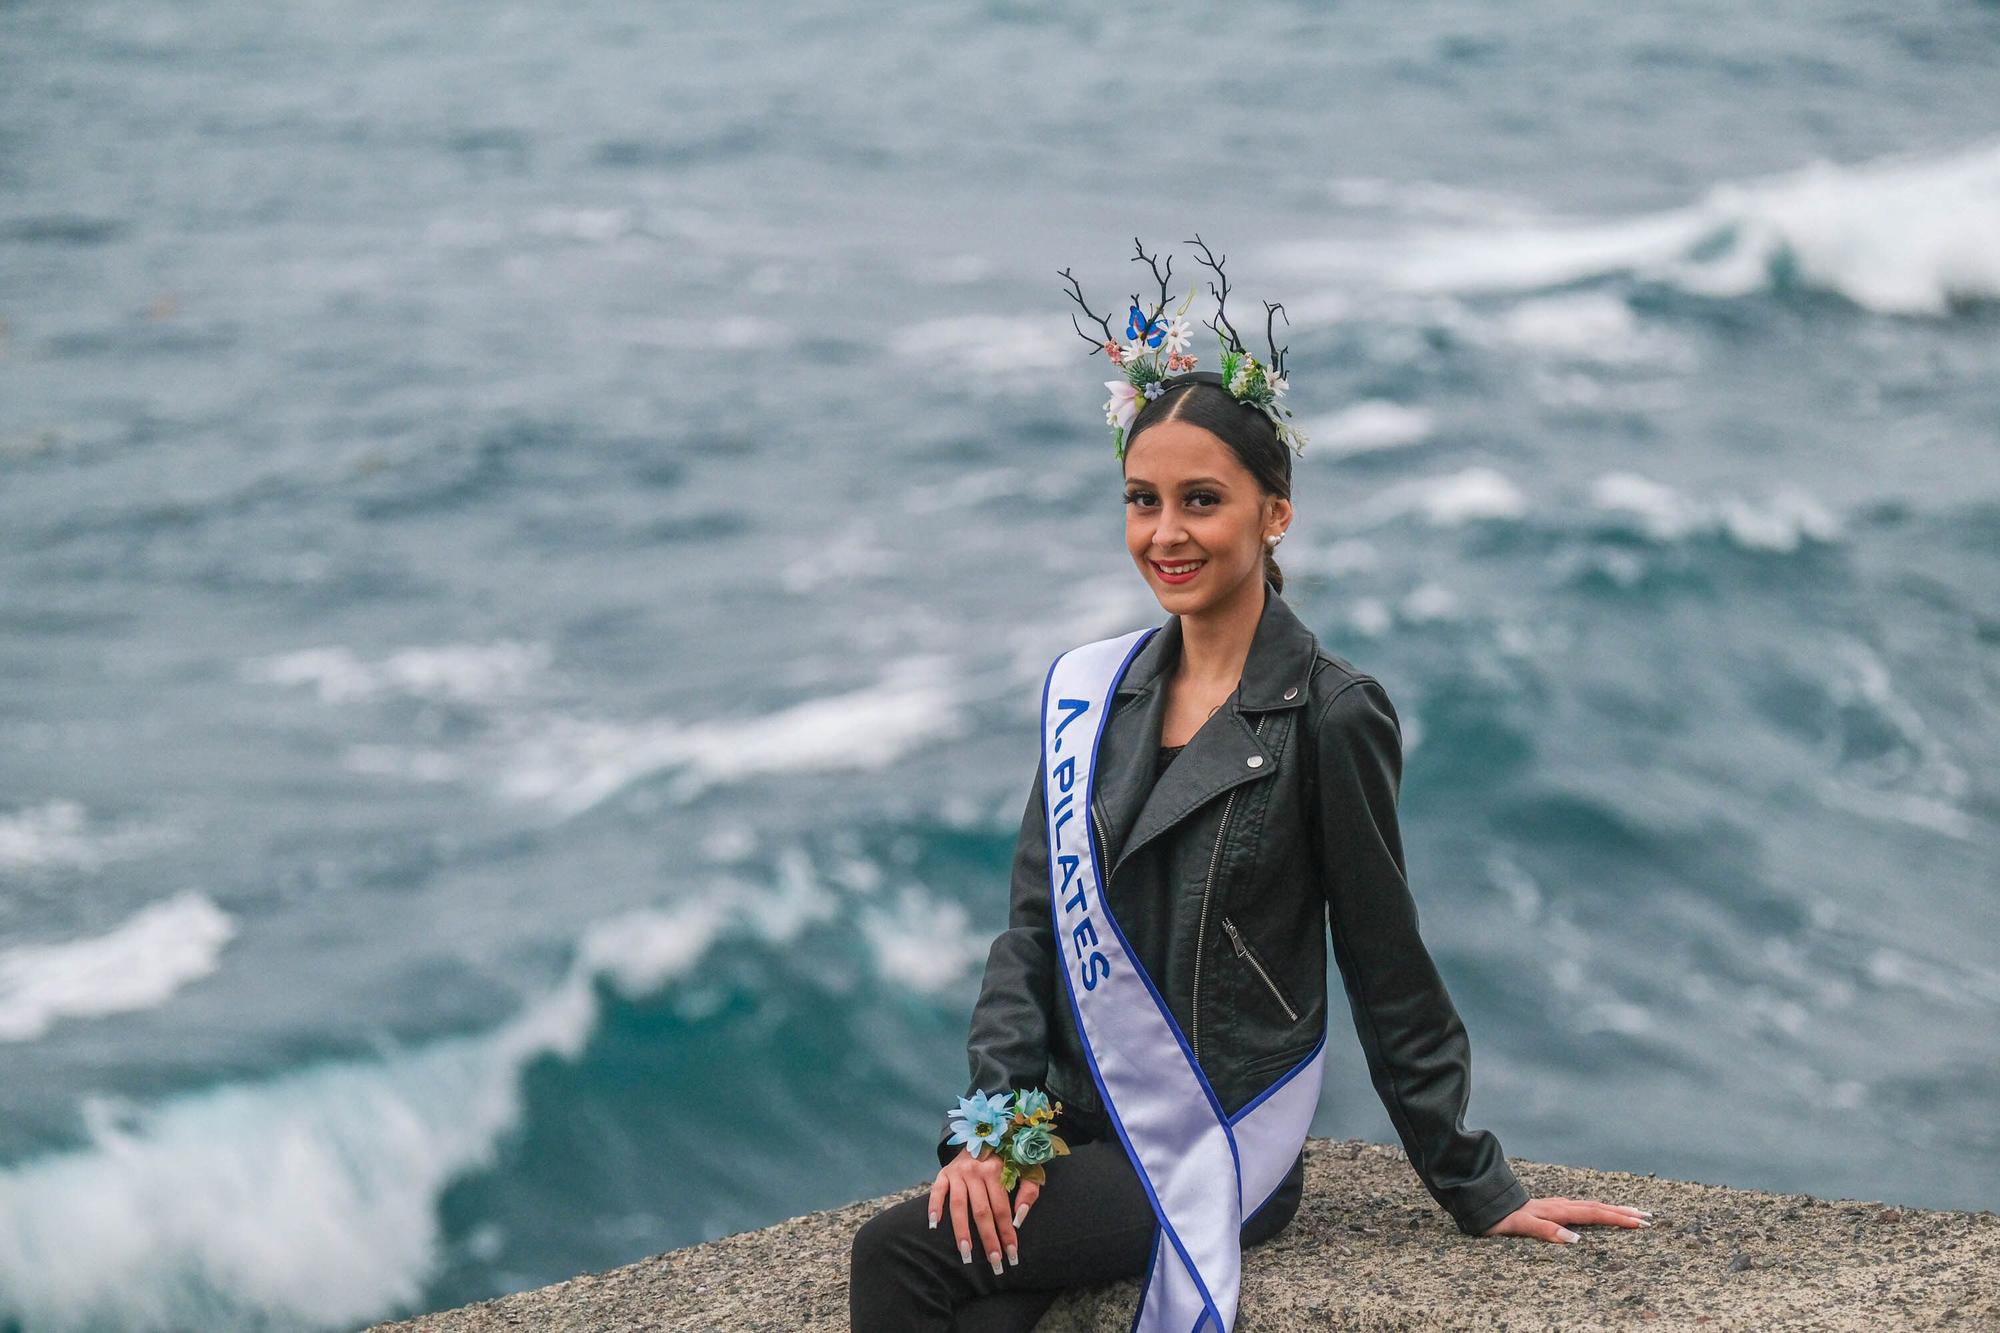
(1191, 481)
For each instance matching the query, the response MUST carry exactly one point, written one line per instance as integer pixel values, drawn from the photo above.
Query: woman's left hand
(1544, 1218)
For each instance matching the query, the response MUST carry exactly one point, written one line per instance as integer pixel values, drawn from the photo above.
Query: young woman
(1245, 800)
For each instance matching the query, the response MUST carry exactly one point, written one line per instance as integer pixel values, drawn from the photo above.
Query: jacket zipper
(1103, 843)
(1201, 929)
(1249, 955)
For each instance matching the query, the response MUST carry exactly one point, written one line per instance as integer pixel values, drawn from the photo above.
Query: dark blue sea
(530, 537)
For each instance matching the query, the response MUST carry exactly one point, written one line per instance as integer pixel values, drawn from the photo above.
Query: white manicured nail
(1567, 1234)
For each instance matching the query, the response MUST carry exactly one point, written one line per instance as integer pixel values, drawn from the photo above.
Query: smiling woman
(1207, 500)
(1186, 1060)
(1181, 517)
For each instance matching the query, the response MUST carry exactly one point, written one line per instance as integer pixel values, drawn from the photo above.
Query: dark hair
(1199, 398)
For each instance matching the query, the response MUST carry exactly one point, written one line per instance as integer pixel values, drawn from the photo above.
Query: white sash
(1204, 1172)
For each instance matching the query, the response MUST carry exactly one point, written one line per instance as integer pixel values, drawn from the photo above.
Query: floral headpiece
(1156, 347)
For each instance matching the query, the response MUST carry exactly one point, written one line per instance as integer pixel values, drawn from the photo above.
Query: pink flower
(1115, 352)
(1124, 404)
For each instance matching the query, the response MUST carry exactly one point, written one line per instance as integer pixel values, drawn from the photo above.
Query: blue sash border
(1117, 1122)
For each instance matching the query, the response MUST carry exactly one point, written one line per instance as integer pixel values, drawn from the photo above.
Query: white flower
(1277, 383)
(1178, 335)
(1291, 436)
(1137, 350)
(1246, 367)
(1123, 405)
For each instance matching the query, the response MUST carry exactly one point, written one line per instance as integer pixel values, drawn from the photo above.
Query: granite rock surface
(1369, 1250)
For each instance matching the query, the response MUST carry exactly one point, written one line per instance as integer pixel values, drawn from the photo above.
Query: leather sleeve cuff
(1510, 1196)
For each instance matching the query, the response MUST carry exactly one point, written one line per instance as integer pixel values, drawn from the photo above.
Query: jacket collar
(1281, 658)
(1220, 753)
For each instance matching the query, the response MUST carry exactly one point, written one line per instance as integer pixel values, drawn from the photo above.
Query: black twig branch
(1076, 293)
(1220, 323)
(1151, 262)
(1277, 361)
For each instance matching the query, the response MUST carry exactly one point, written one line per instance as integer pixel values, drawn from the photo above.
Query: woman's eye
(1196, 499)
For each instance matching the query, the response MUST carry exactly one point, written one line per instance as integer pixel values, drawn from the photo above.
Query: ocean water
(529, 540)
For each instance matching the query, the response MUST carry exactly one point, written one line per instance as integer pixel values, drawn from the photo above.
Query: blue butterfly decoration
(1137, 327)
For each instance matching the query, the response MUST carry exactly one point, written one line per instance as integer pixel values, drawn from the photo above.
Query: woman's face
(1189, 502)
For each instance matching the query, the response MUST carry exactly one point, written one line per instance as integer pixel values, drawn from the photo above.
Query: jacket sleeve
(1008, 1048)
(1419, 1056)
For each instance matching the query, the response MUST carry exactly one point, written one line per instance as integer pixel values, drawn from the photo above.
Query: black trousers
(1092, 1224)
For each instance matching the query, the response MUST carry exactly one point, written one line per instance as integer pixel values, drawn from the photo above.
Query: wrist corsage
(1020, 1127)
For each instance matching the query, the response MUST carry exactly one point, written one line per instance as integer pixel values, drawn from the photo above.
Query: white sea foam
(308, 1200)
(1368, 426)
(922, 942)
(1523, 892)
(729, 841)
(1468, 495)
(138, 964)
(1371, 616)
(965, 489)
(568, 765)
(1784, 521)
(1578, 389)
(1005, 347)
(1594, 326)
(58, 834)
(1426, 198)
(1336, 559)
(1917, 781)
(1905, 235)
(1586, 998)
(736, 332)
(1429, 602)
(48, 834)
(590, 225)
(1658, 510)
(477, 673)
(855, 553)
(1091, 607)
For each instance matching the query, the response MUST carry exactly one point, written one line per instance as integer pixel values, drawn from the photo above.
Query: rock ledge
(1369, 1250)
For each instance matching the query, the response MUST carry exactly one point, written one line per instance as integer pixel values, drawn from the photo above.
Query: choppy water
(529, 541)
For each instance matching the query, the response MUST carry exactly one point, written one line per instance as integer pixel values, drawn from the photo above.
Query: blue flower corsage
(1019, 1126)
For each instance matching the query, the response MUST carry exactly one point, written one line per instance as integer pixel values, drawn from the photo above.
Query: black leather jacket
(1226, 877)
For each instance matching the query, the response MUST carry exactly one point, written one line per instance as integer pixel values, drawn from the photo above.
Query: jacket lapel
(1223, 753)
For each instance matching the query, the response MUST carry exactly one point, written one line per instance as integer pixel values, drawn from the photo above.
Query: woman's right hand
(973, 1184)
